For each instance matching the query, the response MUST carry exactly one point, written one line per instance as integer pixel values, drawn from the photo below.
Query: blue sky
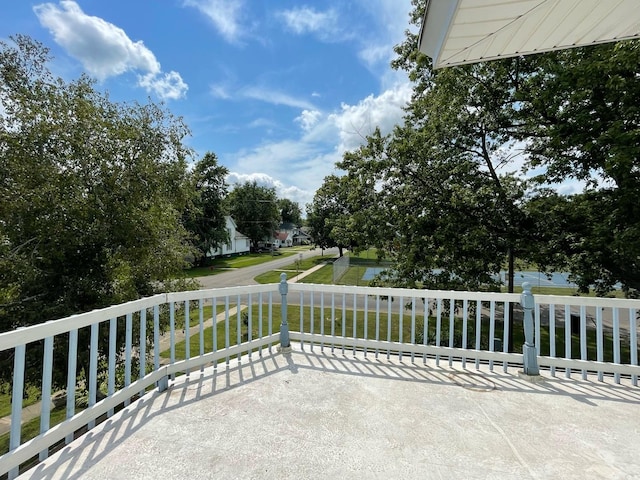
(277, 89)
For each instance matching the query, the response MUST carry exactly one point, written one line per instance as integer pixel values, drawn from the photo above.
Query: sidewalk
(33, 411)
(303, 274)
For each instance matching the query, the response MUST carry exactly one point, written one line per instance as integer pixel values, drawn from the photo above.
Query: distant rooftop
(336, 415)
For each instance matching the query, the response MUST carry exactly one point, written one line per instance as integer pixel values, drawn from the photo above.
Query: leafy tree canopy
(205, 217)
(466, 182)
(255, 210)
(91, 193)
(290, 211)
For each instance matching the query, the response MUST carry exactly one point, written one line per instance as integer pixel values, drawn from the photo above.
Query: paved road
(245, 276)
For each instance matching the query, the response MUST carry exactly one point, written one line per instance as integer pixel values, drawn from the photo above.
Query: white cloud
(390, 20)
(262, 123)
(219, 91)
(104, 49)
(305, 161)
(261, 93)
(224, 14)
(303, 20)
(275, 97)
(294, 194)
(354, 122)
(308, 118)
(168, 86)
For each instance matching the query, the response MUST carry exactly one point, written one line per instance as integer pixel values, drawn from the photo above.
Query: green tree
(455, 151)
(91, 195)
(290, 211)
(580, 120)
(255, 210)
(205, 217)
(334, 213)
(327, 215)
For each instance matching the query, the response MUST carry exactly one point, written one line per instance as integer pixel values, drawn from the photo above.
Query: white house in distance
(289, 234)
(239, 244)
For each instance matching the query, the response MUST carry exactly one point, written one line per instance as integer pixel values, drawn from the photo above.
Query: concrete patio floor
(332, 415)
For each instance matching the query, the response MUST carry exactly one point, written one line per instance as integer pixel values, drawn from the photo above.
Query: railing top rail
(587, 301)
(34, 333)
(220, 292)
(407, 292)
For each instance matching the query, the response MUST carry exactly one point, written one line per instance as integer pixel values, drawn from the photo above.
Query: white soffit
(456, 32)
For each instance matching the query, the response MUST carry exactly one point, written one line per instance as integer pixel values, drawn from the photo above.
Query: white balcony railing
(117, 353)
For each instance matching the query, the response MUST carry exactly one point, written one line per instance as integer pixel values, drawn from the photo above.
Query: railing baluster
(214, 330)
(302, 318)
(438, 327)
(388, 324)
(425, 328)
(156, 338)
(354, 332)
(322, 320)
(583, 337)
(111, 381)
(127, 352)
(552, 335)
(452, 308)
(93, 369)
(365, 333)
(567, 337)
(260, 299)
(201, 325)
(333, 319)
(250, 322)
(413, 326)
(377, 323)
(238, 323)
(45, 399)
(400, 324)
(492, 330)
(71, 378)
(616, 340)
(599, 341)
(16, 401)
(537, 322)
(143, 345)
(633, 341)
(187, 334)
(478, 328)
(505, 336)
(270, 317)
(344, 319)
(172, 336)
(311, 317)
(226, 326)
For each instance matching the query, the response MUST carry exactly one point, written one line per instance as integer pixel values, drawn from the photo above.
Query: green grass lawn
(31, 428)
(194, 314)
(323, 276)
(33, 395)
(298, 266)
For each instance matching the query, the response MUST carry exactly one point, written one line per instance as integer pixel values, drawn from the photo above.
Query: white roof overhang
(455, 32)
